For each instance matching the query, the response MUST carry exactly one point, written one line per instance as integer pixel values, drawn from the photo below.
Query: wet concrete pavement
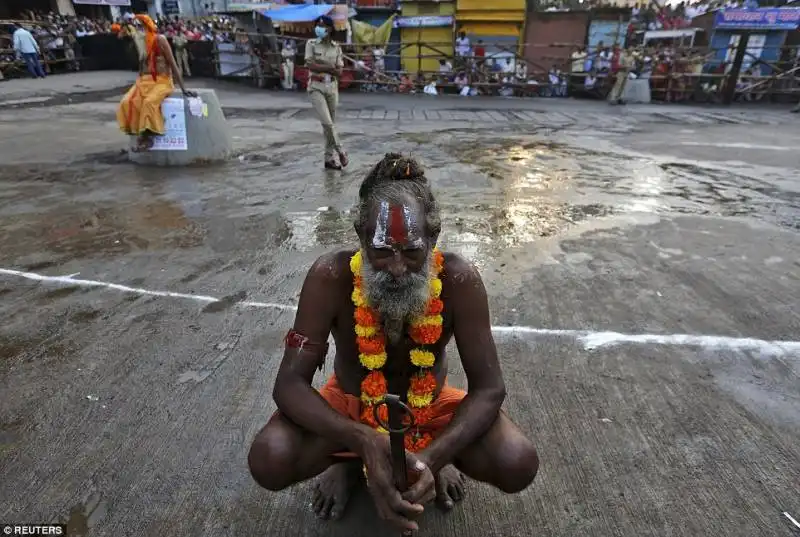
(128, 412)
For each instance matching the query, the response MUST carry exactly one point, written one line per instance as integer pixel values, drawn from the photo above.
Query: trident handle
(397, 409)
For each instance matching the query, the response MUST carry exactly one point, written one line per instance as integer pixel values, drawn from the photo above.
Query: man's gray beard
(397, 301)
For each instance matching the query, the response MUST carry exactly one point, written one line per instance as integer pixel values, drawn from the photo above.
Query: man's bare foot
(333, 489)
(449, 487)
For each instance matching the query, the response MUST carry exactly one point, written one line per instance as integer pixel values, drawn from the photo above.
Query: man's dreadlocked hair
(393, 179)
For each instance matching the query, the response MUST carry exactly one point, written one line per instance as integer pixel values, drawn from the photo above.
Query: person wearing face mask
(325, 62)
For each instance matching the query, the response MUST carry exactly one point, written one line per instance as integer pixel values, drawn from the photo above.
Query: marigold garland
(417, 441)
(371, 344)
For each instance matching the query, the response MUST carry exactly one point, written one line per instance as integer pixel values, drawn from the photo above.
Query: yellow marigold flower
(430, 319)
(355, 263)
(419, 401)
(365, 331)
(373, 361)
(358, 297)
(436, 287)
(367, 400)
(422, 358)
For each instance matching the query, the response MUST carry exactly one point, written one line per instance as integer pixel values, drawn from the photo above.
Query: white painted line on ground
(595, 340)
(29, 100)
(787, 515)
(69, 280)
(739, 145)
(589, 339)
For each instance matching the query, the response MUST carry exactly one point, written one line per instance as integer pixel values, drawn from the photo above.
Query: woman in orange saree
(139, 112)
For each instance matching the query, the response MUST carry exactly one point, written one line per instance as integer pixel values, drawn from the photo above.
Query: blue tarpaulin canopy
(297, 13)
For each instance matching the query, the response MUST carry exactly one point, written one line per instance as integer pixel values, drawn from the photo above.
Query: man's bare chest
(398, 367)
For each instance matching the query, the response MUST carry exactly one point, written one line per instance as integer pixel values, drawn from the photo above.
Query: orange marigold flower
(371, 345)
(426, 334)
(435, 307)
(417, 442)
(365, 316)
(374, 384)
(438, 260)
(422, 415)
(357, 281)
(368, 416)
(422, 383)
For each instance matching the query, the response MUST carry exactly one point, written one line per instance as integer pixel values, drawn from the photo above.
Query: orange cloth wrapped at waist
(139, 112)
(442, 408)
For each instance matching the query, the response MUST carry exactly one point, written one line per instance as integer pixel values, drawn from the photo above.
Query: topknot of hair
(393, 167)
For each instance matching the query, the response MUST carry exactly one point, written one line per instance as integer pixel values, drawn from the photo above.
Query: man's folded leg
(284, 453)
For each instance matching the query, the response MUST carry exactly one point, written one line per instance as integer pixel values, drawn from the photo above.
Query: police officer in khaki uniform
(626, 64)
(179, 43)
(325, 63)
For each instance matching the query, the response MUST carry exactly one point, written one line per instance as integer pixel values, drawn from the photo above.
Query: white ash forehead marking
(396, 225)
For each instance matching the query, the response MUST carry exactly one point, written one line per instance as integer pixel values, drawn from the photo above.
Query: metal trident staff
(396, 409)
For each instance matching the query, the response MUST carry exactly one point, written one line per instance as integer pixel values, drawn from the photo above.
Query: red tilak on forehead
(398, 231)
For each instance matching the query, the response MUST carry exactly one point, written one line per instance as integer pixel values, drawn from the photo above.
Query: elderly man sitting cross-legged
(392, 307)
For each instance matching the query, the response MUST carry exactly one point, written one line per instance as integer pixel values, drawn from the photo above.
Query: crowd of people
(675, 73)
(671, 71)
(56, 37)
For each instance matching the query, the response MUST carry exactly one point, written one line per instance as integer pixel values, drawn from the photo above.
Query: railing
(391, 4)
(677, 80)
(691, 75)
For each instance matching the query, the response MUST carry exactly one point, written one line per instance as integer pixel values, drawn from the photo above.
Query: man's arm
(473, 332)
(316, 312)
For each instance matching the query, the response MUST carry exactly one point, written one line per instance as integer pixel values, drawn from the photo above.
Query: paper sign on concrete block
(174, 138)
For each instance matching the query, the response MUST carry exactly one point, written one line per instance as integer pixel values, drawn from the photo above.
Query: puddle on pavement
(76, 232)
(538, 189)
(85, 516)
(495, 193)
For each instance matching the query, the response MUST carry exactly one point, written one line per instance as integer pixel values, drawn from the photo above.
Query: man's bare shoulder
(459, 273)
(332, 267)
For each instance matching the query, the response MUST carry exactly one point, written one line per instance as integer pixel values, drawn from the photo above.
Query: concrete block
(194, 134)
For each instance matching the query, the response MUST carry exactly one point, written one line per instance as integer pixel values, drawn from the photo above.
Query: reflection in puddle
(537, 189)
(75, 232)
(540, 185)
(647, 192)
(309, 230)
(494, 193)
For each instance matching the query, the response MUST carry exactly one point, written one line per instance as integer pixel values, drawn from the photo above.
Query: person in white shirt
(27, 48)
(288, 54)
(462, 84)
(522, 71)
(590, 80)
(603, 58)
(463, 51)
(578, 60)
(462, 45)
(379, 64)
